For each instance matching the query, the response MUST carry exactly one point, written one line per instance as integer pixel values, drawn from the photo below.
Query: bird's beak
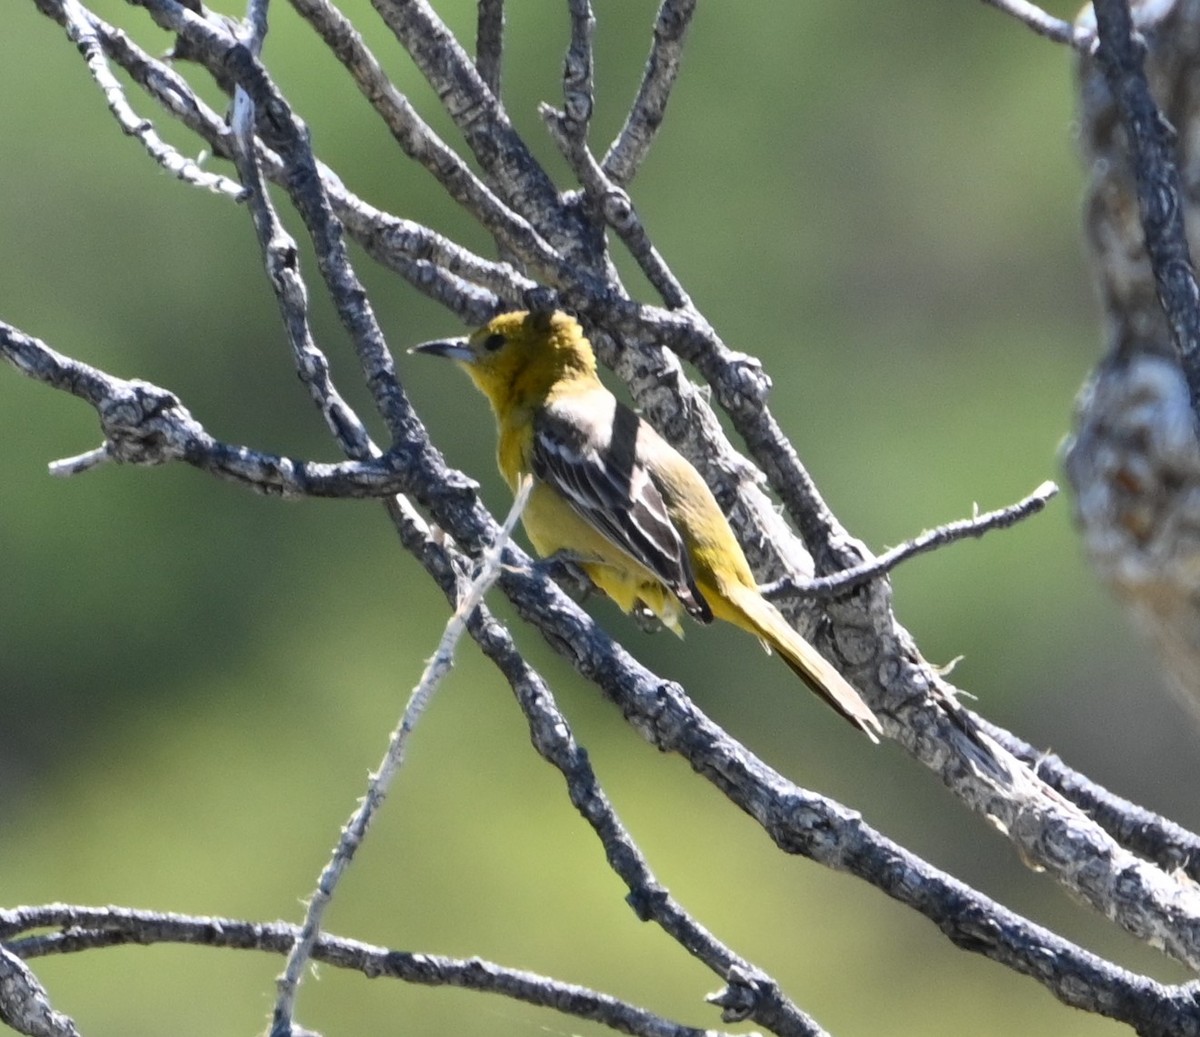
(451, 348)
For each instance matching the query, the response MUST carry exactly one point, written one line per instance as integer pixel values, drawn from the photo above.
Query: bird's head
(518, 357)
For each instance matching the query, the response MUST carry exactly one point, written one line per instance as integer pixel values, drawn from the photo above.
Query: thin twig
(511, 231)
(256, 24)
(303, 183)
(80, 463)
(1040, 21)
(381, 781)
(280, 259)
(81, 28)
(408, 247)
(86, 928)
(551, 735)
(511, 168)
(627, 153)
(430, 262)
(615, 205)
(941, 536)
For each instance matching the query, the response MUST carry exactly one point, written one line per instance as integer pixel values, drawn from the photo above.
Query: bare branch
(82, 29)
(418, 141)
(805, 823)
(1040, 22)
(147, 425)
(475, 288)
(489, 43)
(579, 88)
(940, 536)
(513, 233)
(256, 24)
(1149, 835)
(85, 928)
(81, 463)
(1151, 142)
(504, 156)
(303, 183)
(627, 153)
(615, 205)
(283, 271)
(355, 830)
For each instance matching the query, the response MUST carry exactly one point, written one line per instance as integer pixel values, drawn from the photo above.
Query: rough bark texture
(1134, 460)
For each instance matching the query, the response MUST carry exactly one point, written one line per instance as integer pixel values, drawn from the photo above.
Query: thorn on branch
(647, 901)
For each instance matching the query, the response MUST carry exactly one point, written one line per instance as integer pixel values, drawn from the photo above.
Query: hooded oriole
(613, 496)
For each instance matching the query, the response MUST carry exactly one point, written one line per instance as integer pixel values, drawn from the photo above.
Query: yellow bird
(611, 495)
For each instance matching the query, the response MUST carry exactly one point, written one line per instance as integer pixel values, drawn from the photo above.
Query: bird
(615, 498)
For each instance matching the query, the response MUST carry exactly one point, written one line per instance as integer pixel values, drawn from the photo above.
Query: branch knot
(739, 998)
(647, 902)
(141, 423)
(745, 384)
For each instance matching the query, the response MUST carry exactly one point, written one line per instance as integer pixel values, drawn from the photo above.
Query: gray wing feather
(616, 495)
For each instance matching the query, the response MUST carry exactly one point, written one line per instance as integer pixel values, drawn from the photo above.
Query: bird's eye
(493, 342)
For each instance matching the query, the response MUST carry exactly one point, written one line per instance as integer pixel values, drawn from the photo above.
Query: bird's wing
(587, 450)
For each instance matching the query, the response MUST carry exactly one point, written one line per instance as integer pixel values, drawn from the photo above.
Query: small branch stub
(739, 998)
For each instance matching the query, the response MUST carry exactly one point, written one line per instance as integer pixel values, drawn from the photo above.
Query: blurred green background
(881, 201)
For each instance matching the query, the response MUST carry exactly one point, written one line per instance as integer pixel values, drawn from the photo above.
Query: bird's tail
(758, 616)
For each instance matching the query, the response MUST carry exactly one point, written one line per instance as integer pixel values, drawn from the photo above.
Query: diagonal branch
(615, 205)
(477, 112)
(147, 425)
(1170, 846)
(430, 262)
(355, 830)
(83, 30)
(1040, 21)
(839, 583)
(627, 153)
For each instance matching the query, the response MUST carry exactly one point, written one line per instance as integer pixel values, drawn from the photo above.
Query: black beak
(451, 348)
